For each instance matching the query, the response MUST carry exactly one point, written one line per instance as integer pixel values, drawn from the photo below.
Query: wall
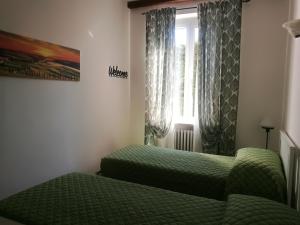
(48, 128)
(137, 87)
(263, 47)
(292, 92)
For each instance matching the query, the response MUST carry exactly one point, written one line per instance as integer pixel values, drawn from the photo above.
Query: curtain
(218, 70)
(159, 82)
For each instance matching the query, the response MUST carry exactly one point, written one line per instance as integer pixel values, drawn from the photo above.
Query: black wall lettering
(115, 72)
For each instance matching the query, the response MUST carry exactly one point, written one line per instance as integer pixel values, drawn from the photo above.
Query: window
(186, 34)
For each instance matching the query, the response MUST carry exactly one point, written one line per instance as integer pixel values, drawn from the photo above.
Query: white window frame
(190, 24)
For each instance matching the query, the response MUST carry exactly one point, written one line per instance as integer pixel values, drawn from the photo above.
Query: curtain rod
(195, 7)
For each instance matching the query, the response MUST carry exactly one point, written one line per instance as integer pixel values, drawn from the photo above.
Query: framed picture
(29, 58)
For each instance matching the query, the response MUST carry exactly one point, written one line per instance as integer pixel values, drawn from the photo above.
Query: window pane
(180, 61)
(186, 67)
(180, 36)
(195, 68)
(196, 34)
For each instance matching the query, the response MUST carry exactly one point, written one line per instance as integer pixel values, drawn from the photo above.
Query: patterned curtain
(219, 67)
(160, 57)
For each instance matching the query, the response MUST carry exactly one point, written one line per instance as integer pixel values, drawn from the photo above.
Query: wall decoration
(115, 72)
(29, 58)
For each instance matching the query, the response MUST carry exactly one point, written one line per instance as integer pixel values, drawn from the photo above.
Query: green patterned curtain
(219, 67)
(160, 56)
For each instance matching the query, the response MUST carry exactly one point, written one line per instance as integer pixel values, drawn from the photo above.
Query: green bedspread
(257, 172)
(254, 171)
(80, 199)
(181, 171)
(245, 210)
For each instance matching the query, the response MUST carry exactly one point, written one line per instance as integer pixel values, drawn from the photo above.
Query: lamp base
(268, 129)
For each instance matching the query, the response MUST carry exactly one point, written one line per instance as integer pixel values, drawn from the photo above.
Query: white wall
(48, 128)
(263, 50)
(137, 86)
(263, 47)
(292, 92)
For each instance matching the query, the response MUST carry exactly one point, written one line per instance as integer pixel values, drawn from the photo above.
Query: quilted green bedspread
(80, 199)
(181, 171)
(257, 172)
(245, 210)
(253, 171)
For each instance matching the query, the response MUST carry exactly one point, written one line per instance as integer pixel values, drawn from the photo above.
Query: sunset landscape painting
(29, 58)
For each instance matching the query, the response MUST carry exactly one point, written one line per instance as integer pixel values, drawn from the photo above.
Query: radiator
(184, 137)
(290, 157)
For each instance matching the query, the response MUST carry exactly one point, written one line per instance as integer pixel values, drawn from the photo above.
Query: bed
(252, 172)
(89, 199)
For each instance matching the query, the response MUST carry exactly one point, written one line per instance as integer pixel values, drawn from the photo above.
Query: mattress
(89, 199)
(253, 171)
(181, 171)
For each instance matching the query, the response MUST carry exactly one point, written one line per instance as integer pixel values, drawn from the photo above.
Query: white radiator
(184, 137)
(290, 156)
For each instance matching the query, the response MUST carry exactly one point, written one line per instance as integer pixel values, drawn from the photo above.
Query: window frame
(190, 24)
